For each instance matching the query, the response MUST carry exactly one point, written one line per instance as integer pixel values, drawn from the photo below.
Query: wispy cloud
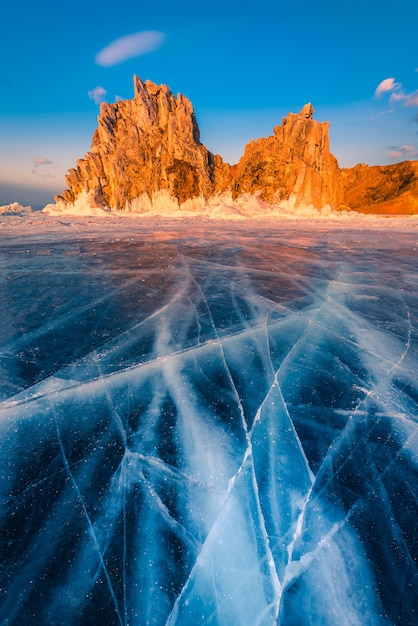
(397, 152)
(397, 93)
(129, 47)
(47, 175)
(97, 94)
(41, 162)
(407, 99)
(387, 85)
(38, 161)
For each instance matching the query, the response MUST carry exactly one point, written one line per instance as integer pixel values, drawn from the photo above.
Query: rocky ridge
(146, 156)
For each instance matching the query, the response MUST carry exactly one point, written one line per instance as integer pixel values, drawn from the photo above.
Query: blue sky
(244, 65)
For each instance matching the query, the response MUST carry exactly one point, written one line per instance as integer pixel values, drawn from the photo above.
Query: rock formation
(146, 155)
(381, 189)
(296, 161)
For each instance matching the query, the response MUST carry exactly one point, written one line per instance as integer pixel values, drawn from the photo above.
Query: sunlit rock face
(295, 160)
(382, 189)
(209, 427)
(146, 154)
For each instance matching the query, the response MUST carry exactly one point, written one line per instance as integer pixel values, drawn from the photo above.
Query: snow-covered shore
(18, 220)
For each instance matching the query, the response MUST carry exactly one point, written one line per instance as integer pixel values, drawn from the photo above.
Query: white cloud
(40, 162)
(397, 152)
(36, 173)
(397, 93)
(396, 97)
(97, 94)
(388, 84)
(129, 47)
(37, 161)
(408, 99)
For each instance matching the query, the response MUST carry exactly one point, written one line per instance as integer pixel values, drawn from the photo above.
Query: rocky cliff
(296, 161)
(146, 155)
(381, 189)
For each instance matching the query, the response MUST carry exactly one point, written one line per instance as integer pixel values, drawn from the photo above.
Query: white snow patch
(219, 207)
(246, 211)
(15, 209)
(83, 205)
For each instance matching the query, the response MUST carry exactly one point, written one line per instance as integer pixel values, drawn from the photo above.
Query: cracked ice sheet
(212, 426)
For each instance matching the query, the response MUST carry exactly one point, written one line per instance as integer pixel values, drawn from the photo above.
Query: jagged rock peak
(296, 161)
(307, 111)
(144, 89)
(146, 152)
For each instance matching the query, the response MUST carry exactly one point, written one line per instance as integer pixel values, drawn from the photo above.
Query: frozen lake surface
(210, 425)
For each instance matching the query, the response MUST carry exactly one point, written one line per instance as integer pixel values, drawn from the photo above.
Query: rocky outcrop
(381, 189)
(296, 161)
(146, 155)
(145, 152)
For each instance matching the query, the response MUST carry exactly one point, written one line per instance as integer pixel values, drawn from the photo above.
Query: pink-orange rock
(295, 161)
(146, 154)
(146, 149)
(381, 189)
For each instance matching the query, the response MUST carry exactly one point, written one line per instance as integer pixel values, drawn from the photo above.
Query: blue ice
(209, 428)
